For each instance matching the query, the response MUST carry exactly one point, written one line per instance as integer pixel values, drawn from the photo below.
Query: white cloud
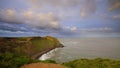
(116, 16)
(71, 29)
(102, 29)
(44, 20)
(10, 12)
(28, 14)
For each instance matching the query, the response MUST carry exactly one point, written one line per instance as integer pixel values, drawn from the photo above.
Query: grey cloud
(39, 20)
(10, 16)
(111, 2)
(55, 3)
(88, 8)
(11, 27)
(114, 5)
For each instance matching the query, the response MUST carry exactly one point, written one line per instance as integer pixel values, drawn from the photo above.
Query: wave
(49, 54)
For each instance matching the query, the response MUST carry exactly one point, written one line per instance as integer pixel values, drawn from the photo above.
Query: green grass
(9, 60)
(27, 45)
(93, 63)
(17, 51)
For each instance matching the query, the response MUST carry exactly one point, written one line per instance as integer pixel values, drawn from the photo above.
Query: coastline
(36, 56)
(29, 46)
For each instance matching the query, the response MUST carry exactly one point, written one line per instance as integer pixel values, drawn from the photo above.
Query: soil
(43, 65)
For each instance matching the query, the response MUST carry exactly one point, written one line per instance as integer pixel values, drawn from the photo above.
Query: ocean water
(77, 48)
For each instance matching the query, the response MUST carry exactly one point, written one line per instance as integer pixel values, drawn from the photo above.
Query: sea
(91, 48)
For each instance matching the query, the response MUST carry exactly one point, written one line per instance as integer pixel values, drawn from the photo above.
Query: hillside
(28, 46)
(16, 51)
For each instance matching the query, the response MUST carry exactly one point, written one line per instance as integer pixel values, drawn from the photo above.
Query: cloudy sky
(60, 18)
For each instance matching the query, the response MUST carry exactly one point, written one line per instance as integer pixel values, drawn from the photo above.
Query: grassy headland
(17, 51)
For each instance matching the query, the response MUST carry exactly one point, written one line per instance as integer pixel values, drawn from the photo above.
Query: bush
(9, 60)
(49, 61)
(95, 63)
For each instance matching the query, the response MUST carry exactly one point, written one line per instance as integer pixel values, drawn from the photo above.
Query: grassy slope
(28, 45)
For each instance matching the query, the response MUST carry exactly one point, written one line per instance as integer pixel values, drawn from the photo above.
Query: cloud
(9, 15)
(114, 5)
(28, 14)
(34, 19)
(10, 12)
(43, 20)
(72, 29)
(11, 27)
(54, 3)
(95, 30)
(88, 8)
(6, 33)
(116, 17)
(37, 22)
(83, 13)
(68, 31)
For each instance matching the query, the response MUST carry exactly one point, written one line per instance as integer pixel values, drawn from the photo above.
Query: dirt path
(43, 65)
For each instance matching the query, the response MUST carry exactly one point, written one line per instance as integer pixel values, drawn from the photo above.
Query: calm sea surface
(76, 48)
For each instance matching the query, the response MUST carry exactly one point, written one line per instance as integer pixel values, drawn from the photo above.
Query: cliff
(32, 47)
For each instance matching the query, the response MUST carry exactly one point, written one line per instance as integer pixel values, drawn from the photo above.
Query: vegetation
(9, 60)
(15, 52)
(28, 46)
(93, 63)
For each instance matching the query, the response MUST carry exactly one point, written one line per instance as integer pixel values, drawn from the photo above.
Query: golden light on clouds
(28, 14)
(82, 14)
(10, 12)
(114, 6)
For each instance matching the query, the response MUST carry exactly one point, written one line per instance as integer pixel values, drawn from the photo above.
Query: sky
(60, 18)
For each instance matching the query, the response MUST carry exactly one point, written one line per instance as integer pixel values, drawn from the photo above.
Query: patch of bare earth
(43, 65)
